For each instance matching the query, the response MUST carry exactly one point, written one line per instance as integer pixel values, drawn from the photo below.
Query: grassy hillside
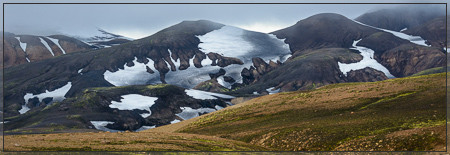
(399, 114)
(126, 141)
(392, 115)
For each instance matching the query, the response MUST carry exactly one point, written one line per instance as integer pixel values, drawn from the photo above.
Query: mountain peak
(323, 30)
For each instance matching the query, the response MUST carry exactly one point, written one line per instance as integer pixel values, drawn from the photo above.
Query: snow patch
(135, 101)
(47, 46)
(188, 112)
(22, 45)
(175, 121)
(367, 61)
(145, 128)
(176, 62)
(255, 93)
(24, 109)
(218, 107)
(79, 71)
(101, 125)
(57, 94)
(56, 41)
(222, 82)
(404, 29)
(27, 59)
(414, 39)
(203, 95)
(134, 75)
(272, 91)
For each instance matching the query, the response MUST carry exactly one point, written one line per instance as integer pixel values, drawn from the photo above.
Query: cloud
(142, 20)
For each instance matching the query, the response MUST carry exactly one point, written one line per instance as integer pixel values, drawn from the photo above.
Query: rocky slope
(326, 30)
(117, 109)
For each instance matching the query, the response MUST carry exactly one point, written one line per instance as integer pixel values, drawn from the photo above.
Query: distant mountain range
(20, 49)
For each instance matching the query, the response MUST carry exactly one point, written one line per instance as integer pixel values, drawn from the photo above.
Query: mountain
(183, 55)
(401, 18)
(320, 58)
(20, 49)
(103, 39)
(325, 30)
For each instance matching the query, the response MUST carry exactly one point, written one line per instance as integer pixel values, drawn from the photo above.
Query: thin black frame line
(224, 3)
(3, 79)
(446, 77)
(3, 31)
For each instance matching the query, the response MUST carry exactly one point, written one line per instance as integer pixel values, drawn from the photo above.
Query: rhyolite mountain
(320, 50)
(20, 49)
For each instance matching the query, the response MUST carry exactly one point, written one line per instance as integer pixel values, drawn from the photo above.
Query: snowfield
(175, 121)
(188, 112)
(145, 128)
(228, 41)
(367, 61)
(47, 46)
(271, 90)
(414, 39)
(57, 95)
(22, 45)
(101, 125)
(135, 101)
(203, 95)
(134, 75)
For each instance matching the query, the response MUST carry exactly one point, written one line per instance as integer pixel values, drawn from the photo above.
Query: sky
(141, 20)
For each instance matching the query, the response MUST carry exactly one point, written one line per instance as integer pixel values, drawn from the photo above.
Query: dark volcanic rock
(380, 42)
(222, 61)
(408, 59)
(366, 75)
(317, 68)
(219, 73)
(228, 79)
(323, 31)
(47, 100)
(259, 68)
